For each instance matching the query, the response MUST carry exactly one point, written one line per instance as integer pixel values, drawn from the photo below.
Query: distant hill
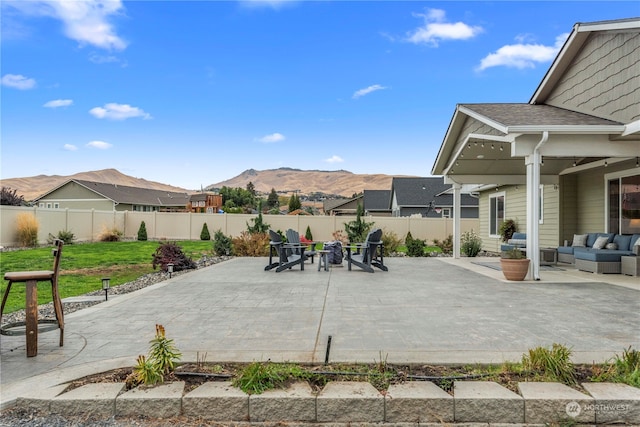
(34, 186)
(283, 180)
(288, 180)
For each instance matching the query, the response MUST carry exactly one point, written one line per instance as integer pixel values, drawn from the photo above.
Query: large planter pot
(514, 269)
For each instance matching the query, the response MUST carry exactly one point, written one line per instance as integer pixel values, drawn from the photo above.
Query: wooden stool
(31, 279)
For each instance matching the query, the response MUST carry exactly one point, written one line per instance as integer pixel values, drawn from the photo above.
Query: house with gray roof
(564, 163)
(377, 202)
(81, 194)
(427, 197)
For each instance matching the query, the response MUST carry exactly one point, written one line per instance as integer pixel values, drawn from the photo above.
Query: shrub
(251, 244)
(142, 232)
(163, 352)
(110, 235)
(553, 364)
(308, 235)
(446, 246)
(408, 238)
(27, 229)
(204, 234)
(471, 244)
(507, 228)
(66, 236)
(170, 253)
(222, 245)
(357, 230)
(391, 242)
(625, 369)
(416, 247)
(258, 377)
(259, 226)
(10, 197)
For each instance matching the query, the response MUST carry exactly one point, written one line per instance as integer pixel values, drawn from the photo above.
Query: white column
(456, 220)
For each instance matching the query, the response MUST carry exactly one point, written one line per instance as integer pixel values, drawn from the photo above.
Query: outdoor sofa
(517, 240)
(599, 252)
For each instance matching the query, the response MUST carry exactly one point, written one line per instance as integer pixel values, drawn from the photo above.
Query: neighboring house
(427, 197)
(566, 162)
(205, 202)
(377, 202)
(80, 194)
(342, 206)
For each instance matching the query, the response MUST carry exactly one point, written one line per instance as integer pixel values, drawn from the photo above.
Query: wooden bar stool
(31, 279)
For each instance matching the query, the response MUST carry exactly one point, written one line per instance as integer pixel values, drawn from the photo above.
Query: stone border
(350, 402)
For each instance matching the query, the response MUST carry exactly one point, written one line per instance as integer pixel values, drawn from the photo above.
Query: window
(446, 213)
(623, 202)
(48, 205)
(56, 205)
(496, 213)
(41, 205)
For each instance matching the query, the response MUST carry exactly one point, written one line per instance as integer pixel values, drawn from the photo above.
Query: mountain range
(283, 180)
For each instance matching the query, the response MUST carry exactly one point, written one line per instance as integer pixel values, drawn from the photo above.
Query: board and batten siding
(603, 79)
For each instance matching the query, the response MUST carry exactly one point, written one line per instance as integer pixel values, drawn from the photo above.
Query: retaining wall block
(416, 402)
(160, 401)
(96, 401)
(615, 403)
(217, 400)
(295, 403)
(39, 400)
(350, 402)
(555, 402)
(486, 401)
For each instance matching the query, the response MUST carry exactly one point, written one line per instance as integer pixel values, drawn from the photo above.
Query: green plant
(258, 377)
(446, 245)
(110, 234)
(10, 197)
(471, 244)
(507, 228)
(66, 236)
(145, 372)
(513, 253)
(204, 234)
(170, 253)
(142, 232)
(551, 363)
(27, 229)
(416, 247)
(408, 238)
(251, 244)
(357, 230)
(259, 226)
(625, 369)
(163, 352)
(391, 242)
(308, 235)
(222, 245)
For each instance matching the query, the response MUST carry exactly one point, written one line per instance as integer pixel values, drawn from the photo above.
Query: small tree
(204, 234)
(357, 230)
(308, 235)
(507, 228)
(259, 226)
(294, 203)
(171, 253)
(142, 232)
(222, 244)
(273, 201)
(10, 197)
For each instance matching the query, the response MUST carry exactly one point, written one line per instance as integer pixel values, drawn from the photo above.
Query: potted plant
(507, 228)
(514, 264)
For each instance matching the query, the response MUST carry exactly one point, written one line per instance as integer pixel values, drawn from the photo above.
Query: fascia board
(576, 129)
(484, 119)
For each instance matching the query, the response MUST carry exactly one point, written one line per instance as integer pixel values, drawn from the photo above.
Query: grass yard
(82, 266)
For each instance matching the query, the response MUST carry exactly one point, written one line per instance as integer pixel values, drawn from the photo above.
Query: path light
(170, 269)
(105, 287)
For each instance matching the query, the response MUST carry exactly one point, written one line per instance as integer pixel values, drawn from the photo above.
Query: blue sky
(193, 93)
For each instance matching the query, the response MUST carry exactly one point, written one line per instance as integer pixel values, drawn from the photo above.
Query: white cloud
(436, 29)
(273, 4)
(85, 21)
(115, 111)
(18, 81)
(362, 92)
(274, 137)
(106, 59)
(334, 159)
(100, 145)
(70, 147)
(56, 103)
(521, 55)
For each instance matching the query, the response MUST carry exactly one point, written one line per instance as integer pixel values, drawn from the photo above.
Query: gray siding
(472, 125)
(603, 79)
(74, 196)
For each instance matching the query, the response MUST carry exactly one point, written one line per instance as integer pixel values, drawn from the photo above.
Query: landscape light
(170, 269)
(105, 287)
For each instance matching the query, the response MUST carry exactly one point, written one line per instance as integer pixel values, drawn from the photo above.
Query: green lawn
(82, 266)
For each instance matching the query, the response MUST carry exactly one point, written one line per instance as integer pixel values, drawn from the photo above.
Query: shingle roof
(421, 191)
(135, 195)
(377, 200)
(535, 115)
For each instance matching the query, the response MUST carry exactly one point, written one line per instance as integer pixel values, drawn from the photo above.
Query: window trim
(608, 177)
(493, 196)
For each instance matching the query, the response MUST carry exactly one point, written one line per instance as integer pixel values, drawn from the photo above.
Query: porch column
(456, 219)
(533, 208)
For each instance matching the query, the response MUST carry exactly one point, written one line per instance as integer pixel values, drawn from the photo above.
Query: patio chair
(293, 237)
(285, 253)
(368, 254)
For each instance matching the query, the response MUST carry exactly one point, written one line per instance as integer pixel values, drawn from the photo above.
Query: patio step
(349, 402)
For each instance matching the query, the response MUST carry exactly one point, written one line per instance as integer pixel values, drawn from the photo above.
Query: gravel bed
(46, 311)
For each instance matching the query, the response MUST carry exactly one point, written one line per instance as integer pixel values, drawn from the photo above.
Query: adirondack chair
(368, 254)
(293, 237)
(285, 253)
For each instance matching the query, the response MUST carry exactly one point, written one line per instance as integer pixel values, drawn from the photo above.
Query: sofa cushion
(612, 245)
(566, 250)
(519, 236)
(579, 240)
(517, 242)
(600, 242)
(601, 255)
(622, 241)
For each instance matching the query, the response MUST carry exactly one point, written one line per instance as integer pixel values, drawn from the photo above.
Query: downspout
(533, 222)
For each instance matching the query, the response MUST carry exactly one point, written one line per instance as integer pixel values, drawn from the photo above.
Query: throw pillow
(613, 246)
(579, 240)
(600, 242)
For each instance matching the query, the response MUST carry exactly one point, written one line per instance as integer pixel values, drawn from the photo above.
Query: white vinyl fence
(86, 225)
